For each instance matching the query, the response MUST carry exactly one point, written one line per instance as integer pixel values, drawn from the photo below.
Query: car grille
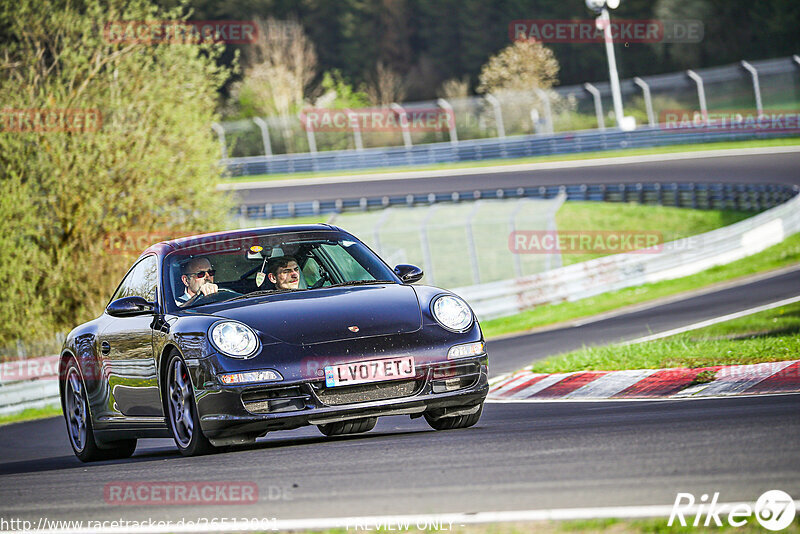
(337, 396)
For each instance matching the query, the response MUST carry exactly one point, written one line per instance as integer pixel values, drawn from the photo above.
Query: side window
(141, 281)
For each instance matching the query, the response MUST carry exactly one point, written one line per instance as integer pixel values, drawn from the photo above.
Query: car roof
(166, 247)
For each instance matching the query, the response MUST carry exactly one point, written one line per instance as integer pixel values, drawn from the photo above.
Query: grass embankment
(30, 415)
(672, 149)
(781, 255)
(768, 336)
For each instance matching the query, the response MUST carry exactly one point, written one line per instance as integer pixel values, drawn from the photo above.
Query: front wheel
(79, 422)
(453, 422)
(181, 410)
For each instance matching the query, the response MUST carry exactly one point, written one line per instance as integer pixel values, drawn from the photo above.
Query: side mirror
(129, 306)
(408, 273)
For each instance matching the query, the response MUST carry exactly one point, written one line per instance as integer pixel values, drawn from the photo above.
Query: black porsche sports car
(215, 340)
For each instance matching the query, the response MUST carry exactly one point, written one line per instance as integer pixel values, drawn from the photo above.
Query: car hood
(330, 314)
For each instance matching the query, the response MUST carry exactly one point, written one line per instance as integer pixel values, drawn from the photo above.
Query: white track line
(499, 169)
(709, 322)
(427, 522)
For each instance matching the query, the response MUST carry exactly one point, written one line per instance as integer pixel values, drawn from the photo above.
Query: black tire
(180, 409)
(79, 422)
(355, 426)
(458, 421)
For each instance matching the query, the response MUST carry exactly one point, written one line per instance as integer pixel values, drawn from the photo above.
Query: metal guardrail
(482, 149)
(743, 197)
(31, 383)
(676, 259)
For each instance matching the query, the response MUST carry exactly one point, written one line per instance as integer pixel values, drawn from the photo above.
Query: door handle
(105, 348)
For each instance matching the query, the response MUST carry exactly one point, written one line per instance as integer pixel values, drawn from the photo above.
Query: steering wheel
(210, 298)
(323, 277)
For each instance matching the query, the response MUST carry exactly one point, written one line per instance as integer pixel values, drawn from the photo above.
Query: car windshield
(254, 265)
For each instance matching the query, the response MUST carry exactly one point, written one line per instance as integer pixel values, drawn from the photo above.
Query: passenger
(284, 272)
(198, 277)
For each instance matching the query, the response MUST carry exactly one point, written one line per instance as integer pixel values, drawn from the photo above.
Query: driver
(284, 272)
(198, 277)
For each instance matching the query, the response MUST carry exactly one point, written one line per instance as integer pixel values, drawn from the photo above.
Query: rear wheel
(79, 422)
(453, 422)
(181, 410)
(355, 426)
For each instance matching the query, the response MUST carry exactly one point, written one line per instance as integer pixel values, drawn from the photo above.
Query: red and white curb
(755, 379)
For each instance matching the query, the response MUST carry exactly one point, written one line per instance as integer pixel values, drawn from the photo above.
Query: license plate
(350, 374)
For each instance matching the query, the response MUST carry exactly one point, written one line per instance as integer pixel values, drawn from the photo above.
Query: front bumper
(444, 388)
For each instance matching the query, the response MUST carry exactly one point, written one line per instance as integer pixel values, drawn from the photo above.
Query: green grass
(672, 223)
(536, 159)
(30, 415)
(767, 336)
(781, 255)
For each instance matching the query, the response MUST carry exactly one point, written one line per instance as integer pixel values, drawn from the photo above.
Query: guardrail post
(444, 104)
(648, 101)
(473, 250)
(701, 92)
(756, 86)
(548, 111)
(498, 115)
(598, 105)
(403, 124)
(359, 142)
(262, 125)
(217, 127)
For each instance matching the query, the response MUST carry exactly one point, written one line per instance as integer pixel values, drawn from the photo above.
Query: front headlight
(452, 313)
(234, 339)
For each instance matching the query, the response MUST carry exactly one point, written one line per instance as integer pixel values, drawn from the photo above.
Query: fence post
(648, 101)
(548, 111)
(356, 130)
(312, 140)
(427, 257)
(403, 124)
(262, 125)
(376, 232)
(512, 227)
(701, 92)
(473, 250)
(598, 105)
(498, 115)
(756, 86)
(217, 127)
(444, 104)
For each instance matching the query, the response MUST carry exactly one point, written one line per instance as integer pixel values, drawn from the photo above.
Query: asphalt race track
(520, 456)
(765, 168)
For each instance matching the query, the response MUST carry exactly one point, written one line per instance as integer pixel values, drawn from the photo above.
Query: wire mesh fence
(458, 244)
(758, 86)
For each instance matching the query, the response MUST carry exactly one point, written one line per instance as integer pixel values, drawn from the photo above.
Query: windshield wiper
(362, 283)
(258, 293)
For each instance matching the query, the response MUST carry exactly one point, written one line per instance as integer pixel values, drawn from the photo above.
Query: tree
(280, 65)
(144, 159)
(522, 66)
